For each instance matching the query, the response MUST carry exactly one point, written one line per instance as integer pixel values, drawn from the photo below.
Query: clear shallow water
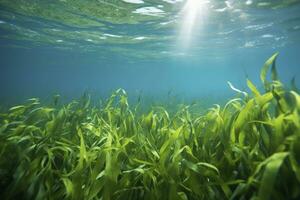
(68, 47)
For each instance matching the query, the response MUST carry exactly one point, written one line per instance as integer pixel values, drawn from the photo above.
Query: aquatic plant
(247, 149)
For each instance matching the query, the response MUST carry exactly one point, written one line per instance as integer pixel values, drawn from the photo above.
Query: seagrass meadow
(247, 149)
(149, 100)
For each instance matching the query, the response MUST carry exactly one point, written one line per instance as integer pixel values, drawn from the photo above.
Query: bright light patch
(172, 1)
(151, 11)
(229, 4)
(221, 9)
(249, 44)
(134, 1)
(267, 36)
(111, 35)
(193, 14)
(139, 38)
(249, 2)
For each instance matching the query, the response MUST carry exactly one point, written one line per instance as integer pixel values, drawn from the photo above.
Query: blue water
(43, 53)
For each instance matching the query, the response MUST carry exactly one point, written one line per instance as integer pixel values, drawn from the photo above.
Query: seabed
(247, 149)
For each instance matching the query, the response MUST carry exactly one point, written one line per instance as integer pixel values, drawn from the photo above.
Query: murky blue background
(220, 53)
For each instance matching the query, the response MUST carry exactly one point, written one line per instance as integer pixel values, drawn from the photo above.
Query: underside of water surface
(150, 99)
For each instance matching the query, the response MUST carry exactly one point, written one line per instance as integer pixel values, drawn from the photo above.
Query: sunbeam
(193, 15)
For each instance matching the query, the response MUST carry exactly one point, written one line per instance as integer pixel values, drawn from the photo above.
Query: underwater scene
(150, 99)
